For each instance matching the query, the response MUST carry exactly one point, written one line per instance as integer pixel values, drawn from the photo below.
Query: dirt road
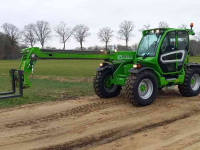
(172, 122)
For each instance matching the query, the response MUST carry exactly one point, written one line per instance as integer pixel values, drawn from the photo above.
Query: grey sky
(100, 13)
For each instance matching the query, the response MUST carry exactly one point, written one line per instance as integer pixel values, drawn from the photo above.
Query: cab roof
(190, 31)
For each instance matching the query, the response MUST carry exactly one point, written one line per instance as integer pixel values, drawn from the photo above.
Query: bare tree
(197, 36)
(105, 34)
(2, 45)
(63, 32)
(42, 30)
(183, 26)
(80, 33)
(29, 36)
(125, 31)
(12, 33)
(145, 27)
(194, 48)
(163, 24)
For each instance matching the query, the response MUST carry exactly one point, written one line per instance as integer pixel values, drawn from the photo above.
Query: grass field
(54, 80)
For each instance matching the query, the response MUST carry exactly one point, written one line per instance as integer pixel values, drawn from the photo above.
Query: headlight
(136, 66)
(101, 64)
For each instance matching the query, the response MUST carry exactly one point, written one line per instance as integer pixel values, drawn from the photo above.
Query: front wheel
(102, 85)
(191, 84)
(141, 88)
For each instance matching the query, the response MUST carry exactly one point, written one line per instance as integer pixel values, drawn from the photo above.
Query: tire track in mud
(55, 129)
(115, 134)
(44, 133)
(88, 108)
(77, 111)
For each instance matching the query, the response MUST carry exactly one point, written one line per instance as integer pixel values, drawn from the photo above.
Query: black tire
(132, 85)
(186, 89)
(99, 87)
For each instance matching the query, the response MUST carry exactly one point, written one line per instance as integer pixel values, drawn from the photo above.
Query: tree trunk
(81, 45)
(126, 44)
(106, 46)
(13, 52)
(64, 46)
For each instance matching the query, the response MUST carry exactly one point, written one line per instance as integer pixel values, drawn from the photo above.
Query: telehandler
(161, 60)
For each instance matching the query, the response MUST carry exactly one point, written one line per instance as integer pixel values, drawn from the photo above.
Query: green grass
(195, 59)
(54, 80)
(73, 68)
(77, 75)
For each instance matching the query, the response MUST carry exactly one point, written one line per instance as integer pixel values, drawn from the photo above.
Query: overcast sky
(97, 14)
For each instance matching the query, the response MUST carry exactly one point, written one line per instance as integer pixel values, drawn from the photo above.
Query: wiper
(148, 50)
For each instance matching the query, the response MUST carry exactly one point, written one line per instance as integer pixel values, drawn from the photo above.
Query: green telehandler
(161, 60)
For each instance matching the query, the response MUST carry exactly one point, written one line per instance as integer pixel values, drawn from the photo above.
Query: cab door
(167, 53)
(173, 51)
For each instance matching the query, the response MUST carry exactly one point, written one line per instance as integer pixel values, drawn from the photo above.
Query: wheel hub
(145, 88)
(108, 85)
(195, 82)
(108, 82)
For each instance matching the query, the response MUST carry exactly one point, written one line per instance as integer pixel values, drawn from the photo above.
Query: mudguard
(104, 67)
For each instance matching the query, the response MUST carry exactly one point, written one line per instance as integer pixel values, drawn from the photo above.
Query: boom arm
(30, 56)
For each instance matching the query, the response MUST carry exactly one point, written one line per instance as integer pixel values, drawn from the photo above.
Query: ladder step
(171, 79)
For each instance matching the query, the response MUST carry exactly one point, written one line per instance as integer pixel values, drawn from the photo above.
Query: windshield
(149, 45)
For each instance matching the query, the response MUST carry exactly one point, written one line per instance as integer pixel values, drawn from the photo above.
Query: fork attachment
(14, 80)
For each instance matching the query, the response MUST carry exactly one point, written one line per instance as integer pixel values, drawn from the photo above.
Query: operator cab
(166, 46)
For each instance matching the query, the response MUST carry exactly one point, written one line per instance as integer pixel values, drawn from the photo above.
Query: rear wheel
(102, 85)
(191, 84)
(141, 88)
